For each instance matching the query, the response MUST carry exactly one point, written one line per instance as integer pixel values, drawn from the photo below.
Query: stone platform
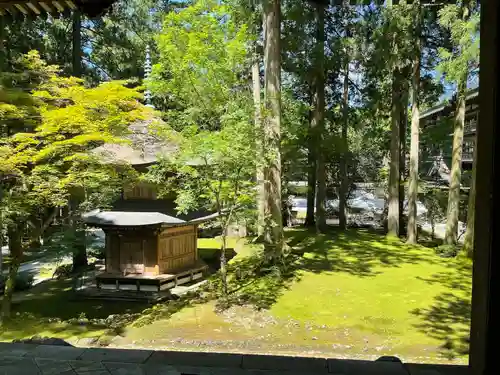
(32, 359)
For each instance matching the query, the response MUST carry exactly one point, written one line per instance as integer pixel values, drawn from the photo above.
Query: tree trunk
(471, 209)
(311, 179)
(80, 252)
(223, 263)
(344, 181)
(261, 205)
(272, 126)
(16, 252)
(319, 118)
(77, 44)
(393, 199)
(3, 49)
(403, 124)
(451, 233)
(79, 247)
(411, 231)
(80, 261)
(311, 167)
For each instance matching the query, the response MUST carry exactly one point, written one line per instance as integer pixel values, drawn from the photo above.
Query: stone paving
(32, 359)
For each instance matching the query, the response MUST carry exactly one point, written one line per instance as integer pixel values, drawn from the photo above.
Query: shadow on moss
(448, 318)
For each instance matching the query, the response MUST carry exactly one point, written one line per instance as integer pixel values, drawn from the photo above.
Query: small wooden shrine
(147, 248)
(146, 251)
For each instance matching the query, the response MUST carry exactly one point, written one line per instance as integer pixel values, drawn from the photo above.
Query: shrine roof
(129, 219)
(145, 145)
(144, 148)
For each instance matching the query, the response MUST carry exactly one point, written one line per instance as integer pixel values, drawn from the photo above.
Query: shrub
(447, 251)
(96, 252)
(209, 230)
(24, 281)
(63, 271)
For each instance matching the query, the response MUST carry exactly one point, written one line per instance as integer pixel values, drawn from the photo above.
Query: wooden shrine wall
(141, 191)
(177, 248)
(112, 252)
(131, 253)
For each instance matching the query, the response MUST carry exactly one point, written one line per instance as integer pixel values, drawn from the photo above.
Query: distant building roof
(145, 146)
(129, 219)
(445, 104)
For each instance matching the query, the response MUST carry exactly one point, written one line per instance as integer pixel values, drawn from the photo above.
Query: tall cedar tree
(415, 129)
(318, 119)
(256, 89)
(399, 21)
(344, 179)
(273, 235)
(462, 21)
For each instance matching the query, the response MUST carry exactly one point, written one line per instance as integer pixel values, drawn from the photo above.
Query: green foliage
(202, 59)
(447, 251)
(462, 21)
(118, 40)
(202, 56)
(23, 282)
(48, 156)
(435, 200)
(214, 169)
(294, 126)
(67, 240)
(63, 271)
(113, 45)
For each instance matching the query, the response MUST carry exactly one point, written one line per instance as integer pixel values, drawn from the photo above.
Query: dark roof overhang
(38, 8)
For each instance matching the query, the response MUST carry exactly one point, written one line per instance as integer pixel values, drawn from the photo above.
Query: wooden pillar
(77, 44)
(195, 235)
(143, 256)
(486, 273)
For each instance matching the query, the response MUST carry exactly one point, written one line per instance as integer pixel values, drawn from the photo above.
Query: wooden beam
(71, 4)
(46, 7)
(59, 7)
(34, 8)
(12, 11)
(22, 8)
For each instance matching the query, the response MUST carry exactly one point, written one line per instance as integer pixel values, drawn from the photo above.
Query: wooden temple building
(437, 138)
(147, 251)
(148, 246)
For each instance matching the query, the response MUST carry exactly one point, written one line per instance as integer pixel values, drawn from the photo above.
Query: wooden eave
(40, 8)
(93, 8)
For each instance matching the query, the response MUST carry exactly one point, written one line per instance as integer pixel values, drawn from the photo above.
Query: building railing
(467, 156)
(470, 125)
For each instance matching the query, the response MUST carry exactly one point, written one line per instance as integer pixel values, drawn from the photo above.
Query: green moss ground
(354, 294)
(50, 309)
(351, 294)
